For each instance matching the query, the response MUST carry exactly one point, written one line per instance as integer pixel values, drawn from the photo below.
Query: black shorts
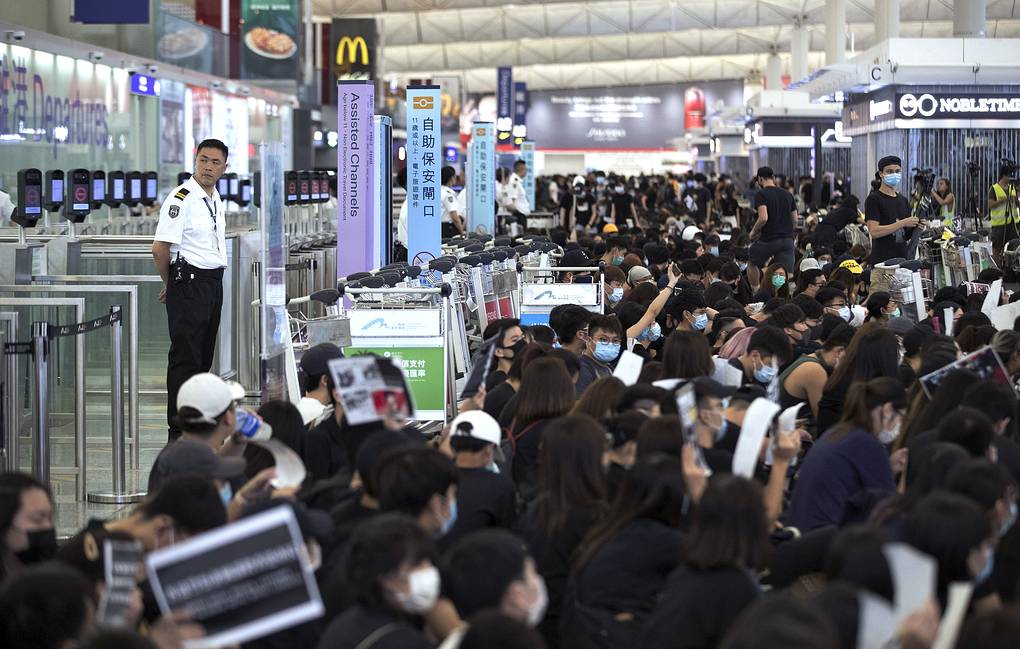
(782, 251)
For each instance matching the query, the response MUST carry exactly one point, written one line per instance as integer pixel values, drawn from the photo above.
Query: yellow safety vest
(998, 214)
(947, 215)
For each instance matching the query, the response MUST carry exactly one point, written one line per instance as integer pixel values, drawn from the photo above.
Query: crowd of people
(565, 507)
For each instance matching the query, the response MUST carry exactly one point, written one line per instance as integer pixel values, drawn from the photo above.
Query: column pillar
(887, 20)
(835, 31)
(773, 72)
(800, 41)
(969, 18)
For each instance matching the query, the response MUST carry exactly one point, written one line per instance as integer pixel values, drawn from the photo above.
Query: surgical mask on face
(451, 520)
(986, 570)
(42, 546)
(653, 333)
(606, 352)
(895, 313)
(1007, 524)
(617, 260)
(423, 591)
(536, 611)
(892, 179)
(226, 493)
(492, 467)
(846, 313)
(778, 281)
(742, 265)
(517, 347)
(889, 436)
(616, 295)
(700, 322)
(713, 250)
(766, 373)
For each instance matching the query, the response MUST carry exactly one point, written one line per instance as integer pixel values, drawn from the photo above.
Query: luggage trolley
(539, 298)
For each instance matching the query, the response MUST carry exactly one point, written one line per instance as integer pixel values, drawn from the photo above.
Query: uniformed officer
(190, 254)
(523, 204)
(452, 219)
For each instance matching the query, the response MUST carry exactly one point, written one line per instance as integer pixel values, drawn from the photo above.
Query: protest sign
(985, 363)
(121, 560)
(372, 388)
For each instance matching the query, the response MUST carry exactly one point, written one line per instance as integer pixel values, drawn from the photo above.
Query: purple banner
(504, 104)
(354, 231)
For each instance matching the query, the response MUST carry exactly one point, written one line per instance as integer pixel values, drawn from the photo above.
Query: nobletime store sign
(905, 107)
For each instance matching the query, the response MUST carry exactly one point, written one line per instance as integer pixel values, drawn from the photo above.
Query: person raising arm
(653, 310)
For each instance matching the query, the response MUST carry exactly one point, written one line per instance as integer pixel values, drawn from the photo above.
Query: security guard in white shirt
(522, 205)
(452, 223)
(190, 253)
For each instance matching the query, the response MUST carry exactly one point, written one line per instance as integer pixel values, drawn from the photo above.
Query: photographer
(1002, 208)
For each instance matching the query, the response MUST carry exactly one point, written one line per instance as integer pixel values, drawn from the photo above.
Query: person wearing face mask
(623, 208)
(393, 581)
(767, 350)
(486, 497)
(851, 457)
(491, 569)
(774, 285)
(27, 533)
(511, 343)
(834, 302)
(616, 250)
(881, 308)
(804, 380)
(641, 326)
(687, 311)
(712, 398)
(887, 214)
(616, 285)
(604, 345)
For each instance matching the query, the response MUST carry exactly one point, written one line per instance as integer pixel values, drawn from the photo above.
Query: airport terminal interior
(509, 324)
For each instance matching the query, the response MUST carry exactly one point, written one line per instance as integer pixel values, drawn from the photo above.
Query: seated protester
(616, 284)
(572, 496)
(813, 314)
(638, 276)
(793, 322)
(392, 581)
(623, 431)
(782, 621)
(936, 316)
(493, 630)
(716, 293)
(317, 398)
(768, 349)
(970, 319)
(613, 588)
(497, 399)
(998, 402)
(743, 291)
(773, 284)
(27, 534)
(288, 428)
(662, 436)
(540, 333)
(810, 282)
(509, 344)
(912, 341)
(851, 457)
(640, 324)
(804, 379)
(491, 569)
(734, 415)
(706, 594)
(1007, 346)
(953, 531)
(642, 398)
(486, 498)
(873, 352)
(547, 392)
(710, 424)
(601, 352)
(881, 308)
(575, 258)
(686, 355)
(974, 338)
(183, 507)
(687, 311)
(834, 301)
(50, 606)
(418, 482)
(723, 326)
(692, 275)
(209, 444)
(998, 628)
(926, 415)
(966, 427)
(599, 400)
(643, 294)
(570, 322)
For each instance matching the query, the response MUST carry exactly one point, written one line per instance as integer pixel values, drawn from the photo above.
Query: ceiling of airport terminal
(560, 44)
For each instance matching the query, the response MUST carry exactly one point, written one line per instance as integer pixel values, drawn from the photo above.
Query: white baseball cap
(477, 424)
(208, 394)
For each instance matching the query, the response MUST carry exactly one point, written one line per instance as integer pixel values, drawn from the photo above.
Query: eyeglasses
(836, 306)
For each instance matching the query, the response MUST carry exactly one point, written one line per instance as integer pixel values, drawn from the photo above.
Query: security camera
(15, 35)
(153, 69)
(216, 85)
(245, 90)
(95, 56)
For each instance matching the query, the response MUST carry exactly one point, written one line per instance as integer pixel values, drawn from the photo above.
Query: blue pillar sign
(528, 155)
(424, 170)
(482, 177)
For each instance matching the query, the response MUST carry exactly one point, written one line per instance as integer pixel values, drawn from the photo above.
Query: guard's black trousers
(193, 315)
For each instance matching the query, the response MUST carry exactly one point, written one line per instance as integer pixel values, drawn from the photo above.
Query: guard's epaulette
(182, 192)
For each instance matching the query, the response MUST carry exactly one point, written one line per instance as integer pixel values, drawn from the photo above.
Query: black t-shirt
(780, 206)
(353, 627)
(887, 210)
(583, 205)
(622, 203)
(496, 400)
(484, 499)
(840, 217)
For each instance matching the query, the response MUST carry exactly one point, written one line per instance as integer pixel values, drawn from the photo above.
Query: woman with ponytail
(850, 458)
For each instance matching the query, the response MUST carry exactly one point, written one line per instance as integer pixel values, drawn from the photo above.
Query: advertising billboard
(269, 39)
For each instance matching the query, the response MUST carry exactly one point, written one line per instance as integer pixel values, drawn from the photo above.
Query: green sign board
(423, 367)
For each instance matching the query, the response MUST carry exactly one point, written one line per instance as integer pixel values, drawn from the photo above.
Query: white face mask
(423, 587)
(889, 435)
(537, 609)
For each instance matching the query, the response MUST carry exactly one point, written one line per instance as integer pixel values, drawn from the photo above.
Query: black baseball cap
(748, 393)
(706, 387)
(765, 172)
(574, 259)
(889, 160)
(315, 361)
(189, 457)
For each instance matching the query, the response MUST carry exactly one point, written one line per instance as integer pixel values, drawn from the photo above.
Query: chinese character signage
(482, 177)
(424, 167)
(520, 129)
(528, 155)
(269, 48)
(355, 220)
(504, 104)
